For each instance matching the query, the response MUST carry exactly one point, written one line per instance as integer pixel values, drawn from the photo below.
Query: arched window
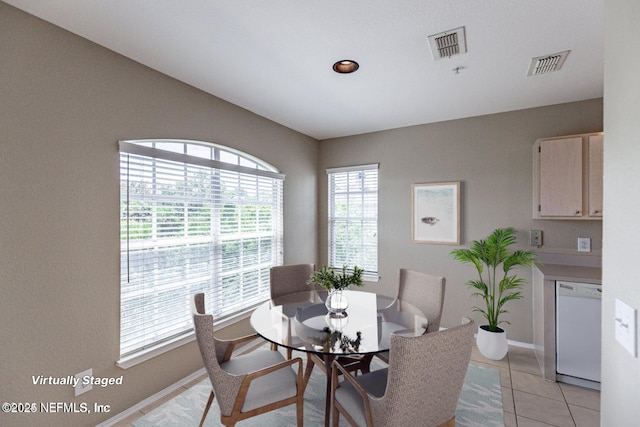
(195, 217)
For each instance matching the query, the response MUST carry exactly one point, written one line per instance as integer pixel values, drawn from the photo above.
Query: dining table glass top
(301, 321)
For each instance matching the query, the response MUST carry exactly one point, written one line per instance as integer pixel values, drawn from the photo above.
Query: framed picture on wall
(436, 213)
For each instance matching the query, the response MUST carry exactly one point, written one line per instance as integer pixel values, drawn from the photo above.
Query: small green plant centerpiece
(335, 283)
(494, 261)
(334, 336)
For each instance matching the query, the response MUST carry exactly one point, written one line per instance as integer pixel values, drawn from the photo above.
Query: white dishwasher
(578, 333)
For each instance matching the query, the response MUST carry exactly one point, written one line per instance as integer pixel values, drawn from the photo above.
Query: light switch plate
(626, 323)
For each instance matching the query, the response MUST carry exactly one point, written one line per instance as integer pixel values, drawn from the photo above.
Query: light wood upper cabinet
(596, 143)
(568, 177)
(560, 177)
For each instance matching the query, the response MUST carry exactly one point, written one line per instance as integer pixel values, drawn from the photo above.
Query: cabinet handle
(577, 212)
(596, 212)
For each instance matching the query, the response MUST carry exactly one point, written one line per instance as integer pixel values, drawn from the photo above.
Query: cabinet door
(561, 177)
(595, 175)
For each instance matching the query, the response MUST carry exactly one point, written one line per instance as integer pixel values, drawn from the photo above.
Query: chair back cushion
(425, 292)
(425, 377)
(286, 279)
(225, 386)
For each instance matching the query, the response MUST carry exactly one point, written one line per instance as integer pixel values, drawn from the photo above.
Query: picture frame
(435, 213)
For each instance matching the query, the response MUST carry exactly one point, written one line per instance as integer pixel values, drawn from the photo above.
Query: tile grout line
(513, 396)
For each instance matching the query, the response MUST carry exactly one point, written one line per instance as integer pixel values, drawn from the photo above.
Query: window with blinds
(353, 218)
(195, 217)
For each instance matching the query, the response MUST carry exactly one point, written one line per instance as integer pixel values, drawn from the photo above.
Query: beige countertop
(571, 273)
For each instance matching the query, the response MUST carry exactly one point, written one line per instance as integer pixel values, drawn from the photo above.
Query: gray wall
(65, 102)
(621, 228)
(492, 157)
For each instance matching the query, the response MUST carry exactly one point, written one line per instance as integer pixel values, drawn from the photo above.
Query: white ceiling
(274, 57)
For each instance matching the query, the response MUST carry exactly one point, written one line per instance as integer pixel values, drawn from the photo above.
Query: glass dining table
(301, 321)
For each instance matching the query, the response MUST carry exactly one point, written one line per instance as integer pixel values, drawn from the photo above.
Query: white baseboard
(159, 395)
(521, 344)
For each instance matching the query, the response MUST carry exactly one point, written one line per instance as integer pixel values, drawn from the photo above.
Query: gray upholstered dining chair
(246, 385)
(424, 292)
(421, 386)
(288, 279)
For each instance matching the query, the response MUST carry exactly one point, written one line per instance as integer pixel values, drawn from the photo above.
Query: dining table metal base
(325, 363)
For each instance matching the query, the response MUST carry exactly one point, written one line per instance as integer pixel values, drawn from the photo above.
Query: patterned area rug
(480, 404)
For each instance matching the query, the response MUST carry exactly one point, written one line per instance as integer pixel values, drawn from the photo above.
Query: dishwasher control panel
(584, 290)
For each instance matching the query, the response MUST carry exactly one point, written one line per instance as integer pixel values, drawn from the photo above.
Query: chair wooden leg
(206, 408)
(289, 353)
(300, 410)
(307, 372)
(335, 416)
(450, 423)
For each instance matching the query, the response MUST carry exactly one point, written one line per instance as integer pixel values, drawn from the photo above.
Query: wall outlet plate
(535, 237)
(584, 244)
(626, 327)
(80, 387)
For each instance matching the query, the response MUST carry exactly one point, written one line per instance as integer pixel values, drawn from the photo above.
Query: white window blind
(353, 218)
(195, 217)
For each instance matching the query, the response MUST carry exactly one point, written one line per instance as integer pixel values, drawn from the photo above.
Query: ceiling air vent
(547, 64)
(447, 44)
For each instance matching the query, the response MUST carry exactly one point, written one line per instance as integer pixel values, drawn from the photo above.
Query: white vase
(492, 345)
(337, 304)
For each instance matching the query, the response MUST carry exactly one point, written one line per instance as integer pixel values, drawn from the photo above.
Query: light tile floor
(527, 399)
(130, 419)
(530, 401)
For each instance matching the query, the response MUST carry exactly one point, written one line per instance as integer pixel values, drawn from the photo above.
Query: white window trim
(353, 168)
(375, 278)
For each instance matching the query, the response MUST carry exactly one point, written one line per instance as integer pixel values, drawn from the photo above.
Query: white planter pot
(492, 345)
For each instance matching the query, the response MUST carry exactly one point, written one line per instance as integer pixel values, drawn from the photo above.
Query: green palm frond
(511, 282)
(479, 285)
(469, 256)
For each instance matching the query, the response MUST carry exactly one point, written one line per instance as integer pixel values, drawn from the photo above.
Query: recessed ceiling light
(345, 66)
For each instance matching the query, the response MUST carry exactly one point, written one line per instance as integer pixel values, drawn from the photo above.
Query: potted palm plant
(494, 260)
